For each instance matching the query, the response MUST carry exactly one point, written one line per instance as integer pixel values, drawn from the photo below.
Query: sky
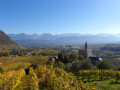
(60, 16)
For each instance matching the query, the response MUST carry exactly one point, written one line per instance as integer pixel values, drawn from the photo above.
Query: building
(86, 52)
(94, 60)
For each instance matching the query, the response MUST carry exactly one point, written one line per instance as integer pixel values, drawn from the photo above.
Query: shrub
(86, 65)
(1, 70)
(59, 64)
(35, 65)
(112, 81)
(104, 64)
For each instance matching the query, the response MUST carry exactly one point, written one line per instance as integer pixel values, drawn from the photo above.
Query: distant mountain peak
(63, 39)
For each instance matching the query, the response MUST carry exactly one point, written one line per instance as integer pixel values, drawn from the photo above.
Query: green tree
(104, 64)
(72, 57)
(60, 57)
(76, 66)
(59, 64)
(66, 59)
(86, 65)
(68, 67)
(34, 65)
(1, 70)
(81, 57)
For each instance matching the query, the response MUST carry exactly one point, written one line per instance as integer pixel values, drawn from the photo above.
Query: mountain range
(48, 39)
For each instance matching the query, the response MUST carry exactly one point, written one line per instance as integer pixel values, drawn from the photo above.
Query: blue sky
(60, 16)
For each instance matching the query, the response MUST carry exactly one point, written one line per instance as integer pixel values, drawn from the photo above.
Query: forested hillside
(6, 43)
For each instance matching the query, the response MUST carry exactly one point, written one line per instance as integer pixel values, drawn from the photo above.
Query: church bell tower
(86, 46)
(86, 50)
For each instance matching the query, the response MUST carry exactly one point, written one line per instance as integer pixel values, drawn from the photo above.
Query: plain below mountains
(48, 39)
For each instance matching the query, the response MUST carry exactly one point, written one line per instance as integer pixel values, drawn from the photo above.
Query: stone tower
(86, 52)
(86, 46)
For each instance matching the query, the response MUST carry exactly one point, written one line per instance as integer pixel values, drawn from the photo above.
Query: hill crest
(6, 43)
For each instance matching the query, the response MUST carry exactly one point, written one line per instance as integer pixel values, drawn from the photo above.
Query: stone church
(86, 52)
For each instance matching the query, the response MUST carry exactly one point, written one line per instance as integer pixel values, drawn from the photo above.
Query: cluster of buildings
(87, 53)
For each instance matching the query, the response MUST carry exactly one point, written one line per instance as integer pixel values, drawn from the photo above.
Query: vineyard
(43, 77)
(15, 63)
(15, 77)
(47, 77)
(93, 75)
(100, 79)
(41, 73)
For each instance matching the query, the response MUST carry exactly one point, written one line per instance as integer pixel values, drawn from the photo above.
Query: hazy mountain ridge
(63, 39)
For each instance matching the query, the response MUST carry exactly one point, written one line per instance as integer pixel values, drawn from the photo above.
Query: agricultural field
(34, 70)
(105, 85)
(14, 63)
(59, 44)
(43, 77)
(101, 79)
